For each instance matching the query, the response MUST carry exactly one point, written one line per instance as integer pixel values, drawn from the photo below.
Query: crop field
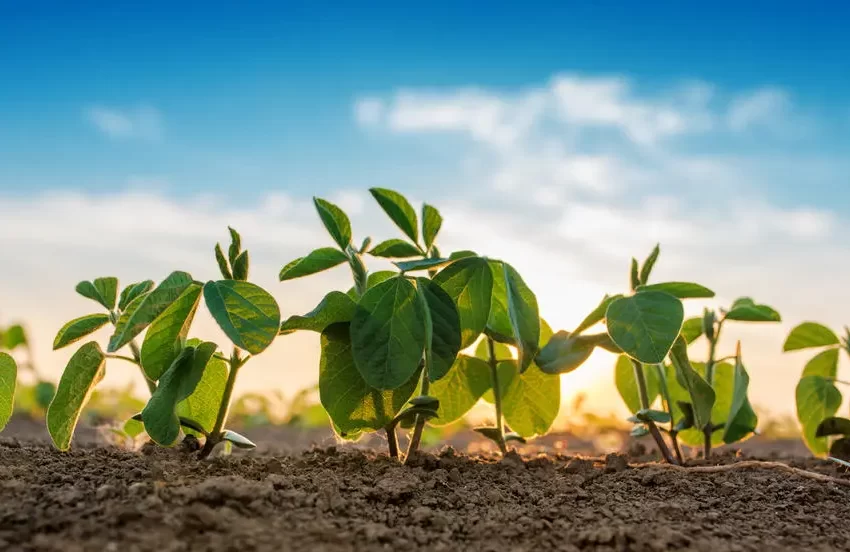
(404, 353)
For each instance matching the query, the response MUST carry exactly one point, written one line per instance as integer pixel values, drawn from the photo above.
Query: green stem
(668, 407)
(708, 430)
(497, 393)
(137, 355)
(644, 404)
(416, 437)
(215, 435)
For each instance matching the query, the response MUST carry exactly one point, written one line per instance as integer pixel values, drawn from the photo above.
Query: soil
(106, 498)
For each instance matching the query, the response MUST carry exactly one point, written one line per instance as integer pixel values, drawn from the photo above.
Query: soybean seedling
(14, 340)
(817, 395)
(191, 382)
(8, 382)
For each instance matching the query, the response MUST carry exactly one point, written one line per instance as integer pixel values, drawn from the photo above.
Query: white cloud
(142, 122)
(765, 107)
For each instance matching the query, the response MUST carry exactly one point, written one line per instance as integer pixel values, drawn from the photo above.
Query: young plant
(14, 338)
(817, 396)
(394, 334)
(191, 382)
(8, 381)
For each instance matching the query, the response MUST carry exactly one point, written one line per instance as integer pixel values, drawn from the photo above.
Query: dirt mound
(339, 499)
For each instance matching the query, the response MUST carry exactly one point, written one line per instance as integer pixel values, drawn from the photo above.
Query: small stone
(578, 465)
(274, 466)
(493, 495)
(615, 463)
(513, 461)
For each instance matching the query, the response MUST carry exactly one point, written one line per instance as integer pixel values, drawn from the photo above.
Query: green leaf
(351, 403)
(624, 380)
(14, 336)
(823, 364)
(335, 220)
(723, 383)
(634, 276)
(102, 290)
(524, 317)
(645, 325)
(241, 266)
(78, 328)
(318, 260)
(469, 283)
(132, 291)
(178, 383)
(682, 290)
(432, 221)
(649, 263)
(388, 333)
(85, 369)
(809, 334)
(745, 310)
(597, 315)
(203, 404)
(8, 380)
(462, 387)
(649, 415)
(833, 426)
(565, 351)
(700, 392)
(531, 401)
(373, 280)
(246, 313)
(399, 210)
(239, 441)
(395, 249)
(692, 329)
(223, 265)
(166, 335)
(134, 320)
(235, 245)
(335, 307)
(742, 420)
(462, 254)
(445, 328)
(133, 427)
(421, 264)
(817, 399)
(44, 392)
(499, 322)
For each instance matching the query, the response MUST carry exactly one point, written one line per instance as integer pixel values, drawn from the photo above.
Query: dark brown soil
(107, 499)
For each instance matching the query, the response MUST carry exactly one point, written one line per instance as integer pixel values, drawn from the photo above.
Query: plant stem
(674, 437)
(665, 401)
(392, 441)
(215, 435)
(137, 355)
(708, 430)
(644, 404)
(416, 437)
(497, 393)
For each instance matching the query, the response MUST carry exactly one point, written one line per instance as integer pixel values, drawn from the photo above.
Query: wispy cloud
(142, 122)
(765, 107)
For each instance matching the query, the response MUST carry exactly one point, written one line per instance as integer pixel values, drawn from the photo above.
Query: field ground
(291, 496)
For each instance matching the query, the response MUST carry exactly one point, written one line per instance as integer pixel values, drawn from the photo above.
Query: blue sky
(565, 137)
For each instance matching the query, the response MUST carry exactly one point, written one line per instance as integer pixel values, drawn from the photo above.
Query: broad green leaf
(817, 399)
(565, 351)
(388, 333)
(645, 325)
(531, 401)
(469, 282)
(133, 427)
(700, 392)
(318, 260)
(597, 315)
(246, 313)
(723, 384)
(203, 404)
(421, 264)
(335, 307)
(524, 317)
(178, 383)
(241, 266)
(692, 329)
(223, 264)
(14, 336)
(395, 249)
(78, 328)
(8, 380)
(134, 320)
(833, 426)
(624, 380)
(166, 335)
(239, 441)
(649, 263)
(85, 369)
(445, 328)
(102, 290)
(462, 254)
(809, 334)
(351, 403)
(399, 210)
(742, 420)
(823, 364)
(499, 321)
(682, 290)
(432, 220)
(746, 310)
(373, 280)
(465, 383)
(129, 294)
(335, 220)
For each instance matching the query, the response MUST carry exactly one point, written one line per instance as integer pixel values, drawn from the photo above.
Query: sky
(563, 137)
